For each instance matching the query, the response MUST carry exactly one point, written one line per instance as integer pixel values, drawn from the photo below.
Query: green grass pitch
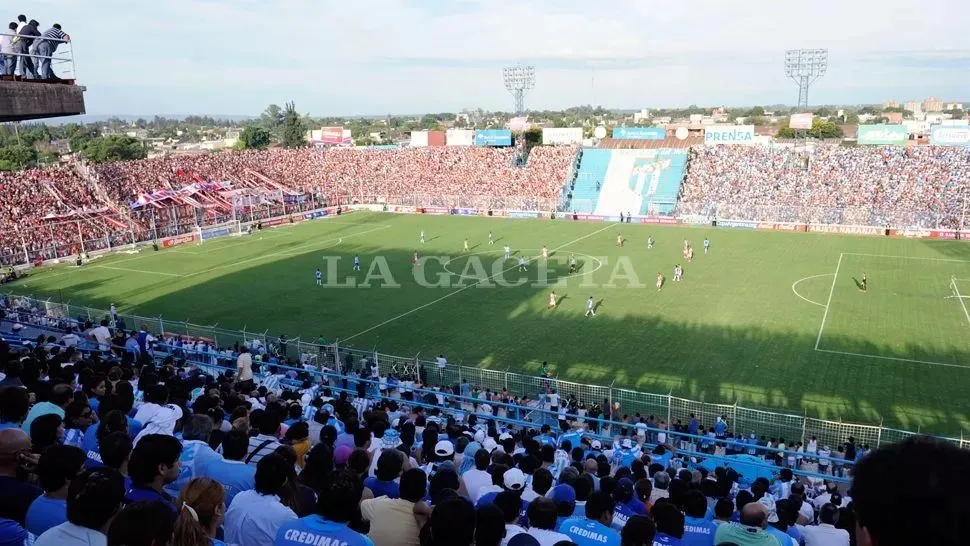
(767, 319)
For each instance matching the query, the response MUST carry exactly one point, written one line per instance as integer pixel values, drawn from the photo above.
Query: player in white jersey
(678, 272)
(552, 300)
(319, 276)
(707, 245)
(491, 239)
(650, 241)
(572, 264)
(619, 240)
(545, 252)
(660, 281)
(422, 236)
(590, 307)
(356, 262)
(508, 252)
(522, 266)
(466, 245)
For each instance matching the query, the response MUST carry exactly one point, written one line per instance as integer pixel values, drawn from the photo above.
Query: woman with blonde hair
(202, 509)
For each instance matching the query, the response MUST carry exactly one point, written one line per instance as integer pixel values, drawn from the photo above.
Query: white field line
(148, 271)
(905, 257)
(963, 303)
(944, 364)
(462, 289)
(288, 251)
(835, 277)
(794, 284)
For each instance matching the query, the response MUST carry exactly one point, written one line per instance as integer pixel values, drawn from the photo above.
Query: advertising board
(436, 138)
(332, 135)
(851, 230)
(800, 121)
(743, 224)
(459, 137)
(729, 134)
(949, 136)
(656, 220)
(639, 133)
(169, 242)
(552, 136)
(882, 135)
(493, 137)
(419, 139)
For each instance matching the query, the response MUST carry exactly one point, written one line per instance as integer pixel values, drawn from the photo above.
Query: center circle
(599, 264)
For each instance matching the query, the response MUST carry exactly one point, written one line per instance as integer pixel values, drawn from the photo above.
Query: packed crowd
(124, 448)
(25, 51)
(39, 203)
(920, 186)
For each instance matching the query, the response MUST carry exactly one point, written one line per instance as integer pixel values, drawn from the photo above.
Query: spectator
(452, 524)
(751, 530)
(14, 404)
(389, 466)
(231, 471)
(336, 510)
(196, 453)
(156, 415)
(825, 533)
(670, 523)
(154, 464)
(594, 528)
(46, 431)
(61, 396)
(511, 506)
(255, 516)
(489, 526)
(477, 478)
(58, 466)
(542, 515)
(7, 50)
(93, 499)
(46, 47)
(16, 494)
(267, 441)
(144, 523)
(639, 531)
(203, 503)
(698, 529)
(393, 519)
(115, 452)
(930, 485)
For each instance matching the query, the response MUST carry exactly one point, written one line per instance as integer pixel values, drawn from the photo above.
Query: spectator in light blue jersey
(627, 504)
(639, 531)
(56, 468)
(670, 524)
(155, 463)
(698, 529)
(335, 510)
(196, 453)
(389, 466)
(14, 404)
(231, 471)
(593, 529)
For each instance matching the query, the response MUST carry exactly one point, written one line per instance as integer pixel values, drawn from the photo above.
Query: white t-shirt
(245, 362)
(475, 480)
(511, 530)
(442, 362)
(69, 533)
(103, 336)
(553, 400)
(824, 535)
(157, 419)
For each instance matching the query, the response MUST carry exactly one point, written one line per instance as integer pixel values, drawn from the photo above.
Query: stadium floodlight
(518, 80)
(805, 67)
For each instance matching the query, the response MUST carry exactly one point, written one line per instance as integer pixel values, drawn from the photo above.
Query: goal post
(214, 231)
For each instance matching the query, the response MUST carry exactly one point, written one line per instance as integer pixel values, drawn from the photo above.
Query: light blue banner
(639, 133)
(493, 137)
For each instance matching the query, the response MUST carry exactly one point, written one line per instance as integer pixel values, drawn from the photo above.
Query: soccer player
(545, 252)
(572, 264)
(590, 307)
(356, 262)
(522, 265)
(690, 254)
(466, 245)
(677, 272)
(508, 252)
(864, 285)
(552, 300)
(414, 260)
(422, 236)
(660, 282)
(650, 241)
(491, 240)
(619, 240)
(707, 245)
(319, 276)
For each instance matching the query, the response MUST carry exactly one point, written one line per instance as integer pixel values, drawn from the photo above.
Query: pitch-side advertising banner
(493, 137)
(881, 135)
(729, 134)
(950, 136)
(562, 135)
(460, 137)
(639, 133)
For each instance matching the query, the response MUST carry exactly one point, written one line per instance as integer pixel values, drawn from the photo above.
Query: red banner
(657, 220)
(276, 221)
(332, 135)
(944, 235)
(169, 242)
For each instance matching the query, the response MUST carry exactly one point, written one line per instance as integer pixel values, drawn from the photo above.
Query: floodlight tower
(805, 67)
(518, 80)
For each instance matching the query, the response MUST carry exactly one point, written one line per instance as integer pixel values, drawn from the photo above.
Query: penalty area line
(129, 270)
(462, 289)
(956, 289)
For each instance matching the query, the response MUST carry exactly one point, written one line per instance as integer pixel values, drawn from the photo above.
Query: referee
(864, 285)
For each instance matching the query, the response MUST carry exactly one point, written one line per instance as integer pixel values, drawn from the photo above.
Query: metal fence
(848, 215)
(614, 400)
(469, 201)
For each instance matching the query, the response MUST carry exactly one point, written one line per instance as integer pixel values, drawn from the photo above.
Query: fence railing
(28, 63)
(614, 400)
(847, 215)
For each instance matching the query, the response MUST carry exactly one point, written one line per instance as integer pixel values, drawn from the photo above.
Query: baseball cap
(595, 444)
(624, 484)
(504, 436)
(562, 493)
(444, 448)
(489, 445)
(342, 454)
(514, 479)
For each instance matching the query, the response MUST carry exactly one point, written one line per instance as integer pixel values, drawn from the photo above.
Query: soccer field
(767, 319)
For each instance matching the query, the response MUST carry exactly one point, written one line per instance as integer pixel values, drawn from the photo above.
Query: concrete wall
(28, 100)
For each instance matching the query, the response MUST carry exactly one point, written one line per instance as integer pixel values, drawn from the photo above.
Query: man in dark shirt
(24, 44)
(15, 457)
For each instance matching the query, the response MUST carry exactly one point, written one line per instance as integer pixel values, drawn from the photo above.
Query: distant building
(914, 106)
(954, 106)
(893, 117)
(891, 104)
(642, 115)
(932, 104)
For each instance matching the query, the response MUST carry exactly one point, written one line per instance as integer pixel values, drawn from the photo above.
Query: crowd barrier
(667, 406)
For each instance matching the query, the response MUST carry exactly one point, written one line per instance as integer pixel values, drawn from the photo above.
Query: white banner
(729, 134)
(459, 137)
(562, 135)
(800, 121)
(419, 139)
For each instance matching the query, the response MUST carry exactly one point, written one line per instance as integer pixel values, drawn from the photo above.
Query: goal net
(214, 231)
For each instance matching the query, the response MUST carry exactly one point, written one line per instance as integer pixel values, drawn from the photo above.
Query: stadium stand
(642, 181)
(321, 456)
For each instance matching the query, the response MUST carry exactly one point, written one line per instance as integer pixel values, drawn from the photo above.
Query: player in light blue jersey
(491, 239)
(336, 509)
(356, 262)
(707, 245)
(319, 276)
(593, 529)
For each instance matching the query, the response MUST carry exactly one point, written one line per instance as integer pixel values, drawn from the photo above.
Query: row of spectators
(25, 51)
(918, 186)
(107, 450)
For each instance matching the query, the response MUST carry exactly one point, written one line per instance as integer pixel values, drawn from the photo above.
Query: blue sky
(389, 56)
